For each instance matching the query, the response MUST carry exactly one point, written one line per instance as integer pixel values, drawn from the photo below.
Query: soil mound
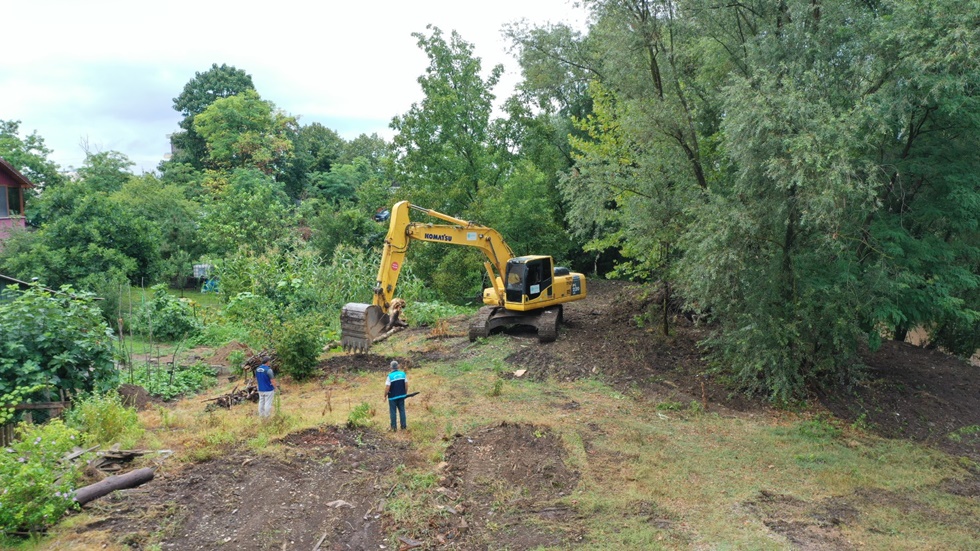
(510, 477)
(134, 396)
(916, 393)
(221, 355)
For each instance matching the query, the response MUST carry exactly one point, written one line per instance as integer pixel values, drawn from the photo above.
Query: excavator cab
(528, 277)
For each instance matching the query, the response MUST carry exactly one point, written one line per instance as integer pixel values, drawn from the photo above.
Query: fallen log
(390, 332)
(131, 479)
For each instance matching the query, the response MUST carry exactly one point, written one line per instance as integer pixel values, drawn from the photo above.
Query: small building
(13, 187)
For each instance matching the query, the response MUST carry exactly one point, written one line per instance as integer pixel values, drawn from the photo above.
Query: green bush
(104, 419)
(360, 416)
(56, 341)
(298, 344)
(428, 313)
(166, 317)
(37, 485)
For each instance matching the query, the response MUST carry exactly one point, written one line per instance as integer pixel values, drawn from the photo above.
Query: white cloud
(106, 71)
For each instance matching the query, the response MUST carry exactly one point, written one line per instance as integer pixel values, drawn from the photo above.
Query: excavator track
(488, 318)
(480, 324)
(547, 324)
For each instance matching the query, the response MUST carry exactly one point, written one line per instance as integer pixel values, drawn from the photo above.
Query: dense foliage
(103, 419)
(166, 317)
(802, 173)
(172, 380)
(37, 485)
(799, 170)
(56, 340)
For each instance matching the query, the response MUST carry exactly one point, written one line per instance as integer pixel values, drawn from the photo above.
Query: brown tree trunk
(118, 482)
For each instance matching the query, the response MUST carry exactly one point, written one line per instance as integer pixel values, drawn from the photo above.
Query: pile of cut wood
(255, 361)
(113, 459)
(248, 394)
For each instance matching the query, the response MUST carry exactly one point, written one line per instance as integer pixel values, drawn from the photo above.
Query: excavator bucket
(360, 324)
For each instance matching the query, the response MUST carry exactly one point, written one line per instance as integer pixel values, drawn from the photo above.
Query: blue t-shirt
(264, 376)
(397, 385)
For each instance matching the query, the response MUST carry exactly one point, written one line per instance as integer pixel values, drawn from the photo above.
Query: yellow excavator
(527, 290)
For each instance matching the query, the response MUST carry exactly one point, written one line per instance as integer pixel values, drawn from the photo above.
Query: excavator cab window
(515, 282)
(528, 279)
(538, 278)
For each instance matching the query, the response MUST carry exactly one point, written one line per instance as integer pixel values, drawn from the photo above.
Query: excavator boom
(362, 323)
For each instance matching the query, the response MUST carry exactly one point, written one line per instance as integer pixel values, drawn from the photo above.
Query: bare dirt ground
(327, 488)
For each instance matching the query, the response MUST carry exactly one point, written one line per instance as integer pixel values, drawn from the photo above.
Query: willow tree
(811, 162)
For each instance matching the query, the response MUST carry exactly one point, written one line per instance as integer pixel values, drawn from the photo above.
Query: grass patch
(652, 473)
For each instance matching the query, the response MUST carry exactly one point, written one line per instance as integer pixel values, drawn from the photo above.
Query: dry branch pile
(248, 394)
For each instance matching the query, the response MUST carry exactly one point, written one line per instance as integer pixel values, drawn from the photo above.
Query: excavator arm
(362, 323)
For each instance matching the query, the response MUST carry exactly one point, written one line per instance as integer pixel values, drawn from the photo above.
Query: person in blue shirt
(265, 379)
(396, 390)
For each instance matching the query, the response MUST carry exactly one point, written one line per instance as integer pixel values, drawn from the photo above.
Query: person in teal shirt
(396, 390)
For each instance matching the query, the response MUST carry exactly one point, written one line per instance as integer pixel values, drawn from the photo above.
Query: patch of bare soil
(604, 336)
(812, 526)
(135, 396)
(817, 525)
(222, 355)
(509, 478)
(324, 490)
(915, 393)
(501, 489)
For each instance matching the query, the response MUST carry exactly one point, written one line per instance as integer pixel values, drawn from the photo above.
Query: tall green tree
(220, 81)
(805, 163)
(245, 131)
(106, 171)
(447, 145)
(29, 155)
(374, 148)
(176, 217)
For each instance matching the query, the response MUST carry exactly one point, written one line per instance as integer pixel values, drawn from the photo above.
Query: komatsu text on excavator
(527, 290)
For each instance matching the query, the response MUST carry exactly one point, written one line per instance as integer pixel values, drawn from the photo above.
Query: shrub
(429, 313)
(58, 340)
(37, 486)
(360, 416)
(104, 419)
(298, 344)
(166, 316)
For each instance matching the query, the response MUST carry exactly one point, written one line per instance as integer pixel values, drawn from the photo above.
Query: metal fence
(54, 409)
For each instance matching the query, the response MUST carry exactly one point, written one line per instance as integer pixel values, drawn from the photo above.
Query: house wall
(8, 180)
(8, 225)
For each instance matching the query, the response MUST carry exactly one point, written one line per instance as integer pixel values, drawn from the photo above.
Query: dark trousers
(399, 405)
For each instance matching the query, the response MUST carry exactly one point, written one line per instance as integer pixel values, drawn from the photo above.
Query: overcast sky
(104, 73)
